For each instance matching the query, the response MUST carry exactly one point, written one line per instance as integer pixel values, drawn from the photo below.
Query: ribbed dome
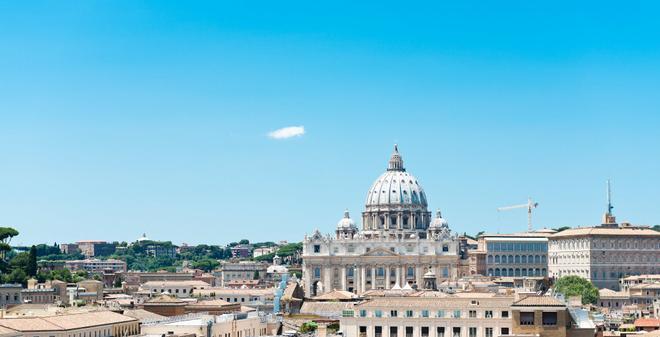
(396, 187)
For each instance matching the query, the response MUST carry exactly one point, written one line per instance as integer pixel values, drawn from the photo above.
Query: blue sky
(124, 117)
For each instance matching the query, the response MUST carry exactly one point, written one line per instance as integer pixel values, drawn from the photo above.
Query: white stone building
(605, 253)
(399, 242)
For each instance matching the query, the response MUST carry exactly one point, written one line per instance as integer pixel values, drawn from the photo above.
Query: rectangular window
(440, 331)
(440, 314)
(549, 318)
(425, 331)
(409, 331)
(488, 314)
(505, 314)
(394, 332)
(347, 313)
(457, 314)
(472, 332)
(317, 248)
(394, 313)
(504, 331)
(526, 318)
(425, 313)
(378, 331)
(409, 313)
(456, 332)
(488, 332)
(363, 313)
(472, 313)
(378, 313)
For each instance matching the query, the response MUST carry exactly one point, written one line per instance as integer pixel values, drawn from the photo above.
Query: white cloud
(287, 132)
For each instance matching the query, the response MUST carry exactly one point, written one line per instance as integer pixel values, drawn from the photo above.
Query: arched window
(497, 271)
(517, 272)
(490, 259)
(510, 258)
(490, 271)
(497, 259)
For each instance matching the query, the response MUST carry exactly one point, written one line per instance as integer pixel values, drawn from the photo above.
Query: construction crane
(529, 205)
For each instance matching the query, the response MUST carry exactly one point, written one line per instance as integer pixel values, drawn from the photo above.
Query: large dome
(396, 187)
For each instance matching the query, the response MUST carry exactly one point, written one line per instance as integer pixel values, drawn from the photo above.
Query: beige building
(261, 299)
(429, 314)
(96, 265)
(399, 242)
(515, 255)
(180, 289)
(229, 272)
(229, 325)
(99, 324)
(605, 253)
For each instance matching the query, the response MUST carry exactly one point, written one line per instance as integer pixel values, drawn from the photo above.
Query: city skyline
(211, 123)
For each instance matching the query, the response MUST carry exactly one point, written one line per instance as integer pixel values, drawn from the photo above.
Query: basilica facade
(399, 245)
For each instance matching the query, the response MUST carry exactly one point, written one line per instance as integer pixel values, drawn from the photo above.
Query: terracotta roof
(64, 322)
(288, 292)
(190, 283)
(609, 293)
(6, 331)
(96, 318)
(538, 301)
(636, 231)
(336, 295)
(210, 303)
(165, 299)
(647, 323)
(29, 324)
(142, 314)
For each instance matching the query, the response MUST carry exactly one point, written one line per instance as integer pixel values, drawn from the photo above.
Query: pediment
(380, 252)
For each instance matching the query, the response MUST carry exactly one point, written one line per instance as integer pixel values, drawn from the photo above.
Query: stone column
(419, 273)
(327, 279)
(398, 276)
(363, 279)
(373, 278)
(387, 277)
(343, 278)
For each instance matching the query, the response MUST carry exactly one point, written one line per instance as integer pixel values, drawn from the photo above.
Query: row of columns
(372, 220)
(360, 276)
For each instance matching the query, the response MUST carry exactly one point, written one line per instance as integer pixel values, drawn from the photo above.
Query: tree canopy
(577, 286)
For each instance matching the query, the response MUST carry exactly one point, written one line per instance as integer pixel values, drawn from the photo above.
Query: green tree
(6, 234)
(206, 264)
(18, 276)
(575, 285)
(256, 275)
(656, 228)
(244, 242)
(31, 268)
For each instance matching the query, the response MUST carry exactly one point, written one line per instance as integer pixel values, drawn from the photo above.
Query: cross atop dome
(396, 163)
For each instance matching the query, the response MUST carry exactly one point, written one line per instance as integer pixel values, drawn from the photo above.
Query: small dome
(346, 222)
(429, 274)
(439, 221)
